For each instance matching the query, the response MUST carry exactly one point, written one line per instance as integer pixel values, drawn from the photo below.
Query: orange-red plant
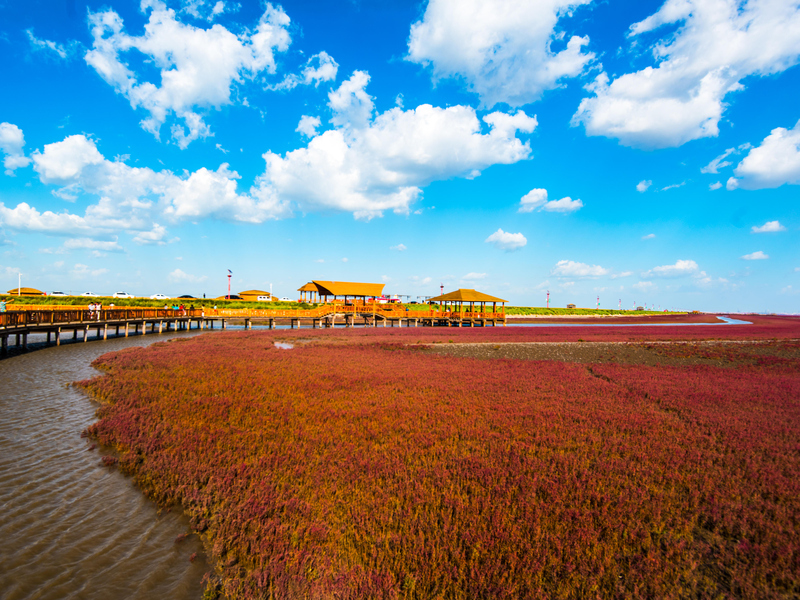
(376, 470)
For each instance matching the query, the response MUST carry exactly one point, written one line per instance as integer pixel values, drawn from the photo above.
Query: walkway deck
(57, 321)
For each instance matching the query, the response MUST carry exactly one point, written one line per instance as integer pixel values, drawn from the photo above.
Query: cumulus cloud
(506, 241)
(81, 271)
(320, 67)
(643, 185)
(399, 247)
(715, 186)
(536, 199)
(680, 97)
(503, 50)
(568, 268)
(769, 227)
(197, 67)
(775, 162)
(680, 268)
(644, 286)
(649, 236)
(474, 276)
(308, 126)
(370, 163)
(12, 141)
(758, 255)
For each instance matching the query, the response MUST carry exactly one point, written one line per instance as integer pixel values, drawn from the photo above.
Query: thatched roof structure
(466, 296)
(26, 291)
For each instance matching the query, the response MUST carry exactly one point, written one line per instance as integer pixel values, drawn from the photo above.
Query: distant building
(257, 296)
(26, 291)
(571, 306)
(640, 308)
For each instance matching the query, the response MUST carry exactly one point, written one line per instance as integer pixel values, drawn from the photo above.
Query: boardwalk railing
(54, 315)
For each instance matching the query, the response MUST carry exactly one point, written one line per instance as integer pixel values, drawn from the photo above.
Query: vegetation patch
(375, 469)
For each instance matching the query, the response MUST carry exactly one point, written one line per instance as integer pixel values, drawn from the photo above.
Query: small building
(257, 296)
(571, 306)
(321, 291)
(26, 291)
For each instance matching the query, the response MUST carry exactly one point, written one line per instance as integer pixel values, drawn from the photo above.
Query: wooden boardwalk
(63, 322)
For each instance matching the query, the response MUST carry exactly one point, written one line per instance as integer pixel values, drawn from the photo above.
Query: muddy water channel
(70, 527)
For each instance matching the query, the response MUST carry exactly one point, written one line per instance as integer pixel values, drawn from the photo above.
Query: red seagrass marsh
(396, 464)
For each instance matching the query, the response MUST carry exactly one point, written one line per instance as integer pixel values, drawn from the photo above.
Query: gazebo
(458, 299)
(25, 291)
(315, 291)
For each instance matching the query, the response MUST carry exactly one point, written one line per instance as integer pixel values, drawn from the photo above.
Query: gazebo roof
(254, 293)
(343, 288)
(466, 295)
(26, 291)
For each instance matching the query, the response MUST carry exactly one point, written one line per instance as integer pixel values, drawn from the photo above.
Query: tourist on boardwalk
(99, 308)
(3, 304)
(91, 310)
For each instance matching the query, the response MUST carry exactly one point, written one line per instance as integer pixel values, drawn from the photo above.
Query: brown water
(70, 527)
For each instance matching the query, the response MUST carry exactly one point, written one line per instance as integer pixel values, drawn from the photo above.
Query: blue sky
(642, 152)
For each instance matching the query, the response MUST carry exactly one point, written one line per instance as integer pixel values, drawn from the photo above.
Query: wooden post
(75, 334)
(4, 344)
(17, 344)
(48, 338)
(105, 331)
(160, 326)
(58, 336)
(126, 329)
(25, 341)
(85, 333)
(224, 324)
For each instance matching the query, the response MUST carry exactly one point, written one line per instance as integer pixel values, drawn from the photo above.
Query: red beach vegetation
(378, 469)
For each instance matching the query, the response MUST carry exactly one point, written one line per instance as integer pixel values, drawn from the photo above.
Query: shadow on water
(72, 528)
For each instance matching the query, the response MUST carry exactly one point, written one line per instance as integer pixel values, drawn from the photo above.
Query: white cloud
(775, 162)
(90, 244)
(62, 162)
(643, 185)
(12, 141)
(717, 44)
(769, 227)
(758, 255)
(502, 49)
(565, 205)
(154, 236)
(506, 241)
(63, 52)
(81, 271)
(207, 10)
(568, 268)
(198, 67)
(178, 276)
(368, 164)
(680, 268)
(474, 276)
(399, 247)
(649, 236)
(320, 67)
(644, 286)
(308, 126)
(718, 163)
(715, 186)
(345, 259)
(536, 199)
(673, 186)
